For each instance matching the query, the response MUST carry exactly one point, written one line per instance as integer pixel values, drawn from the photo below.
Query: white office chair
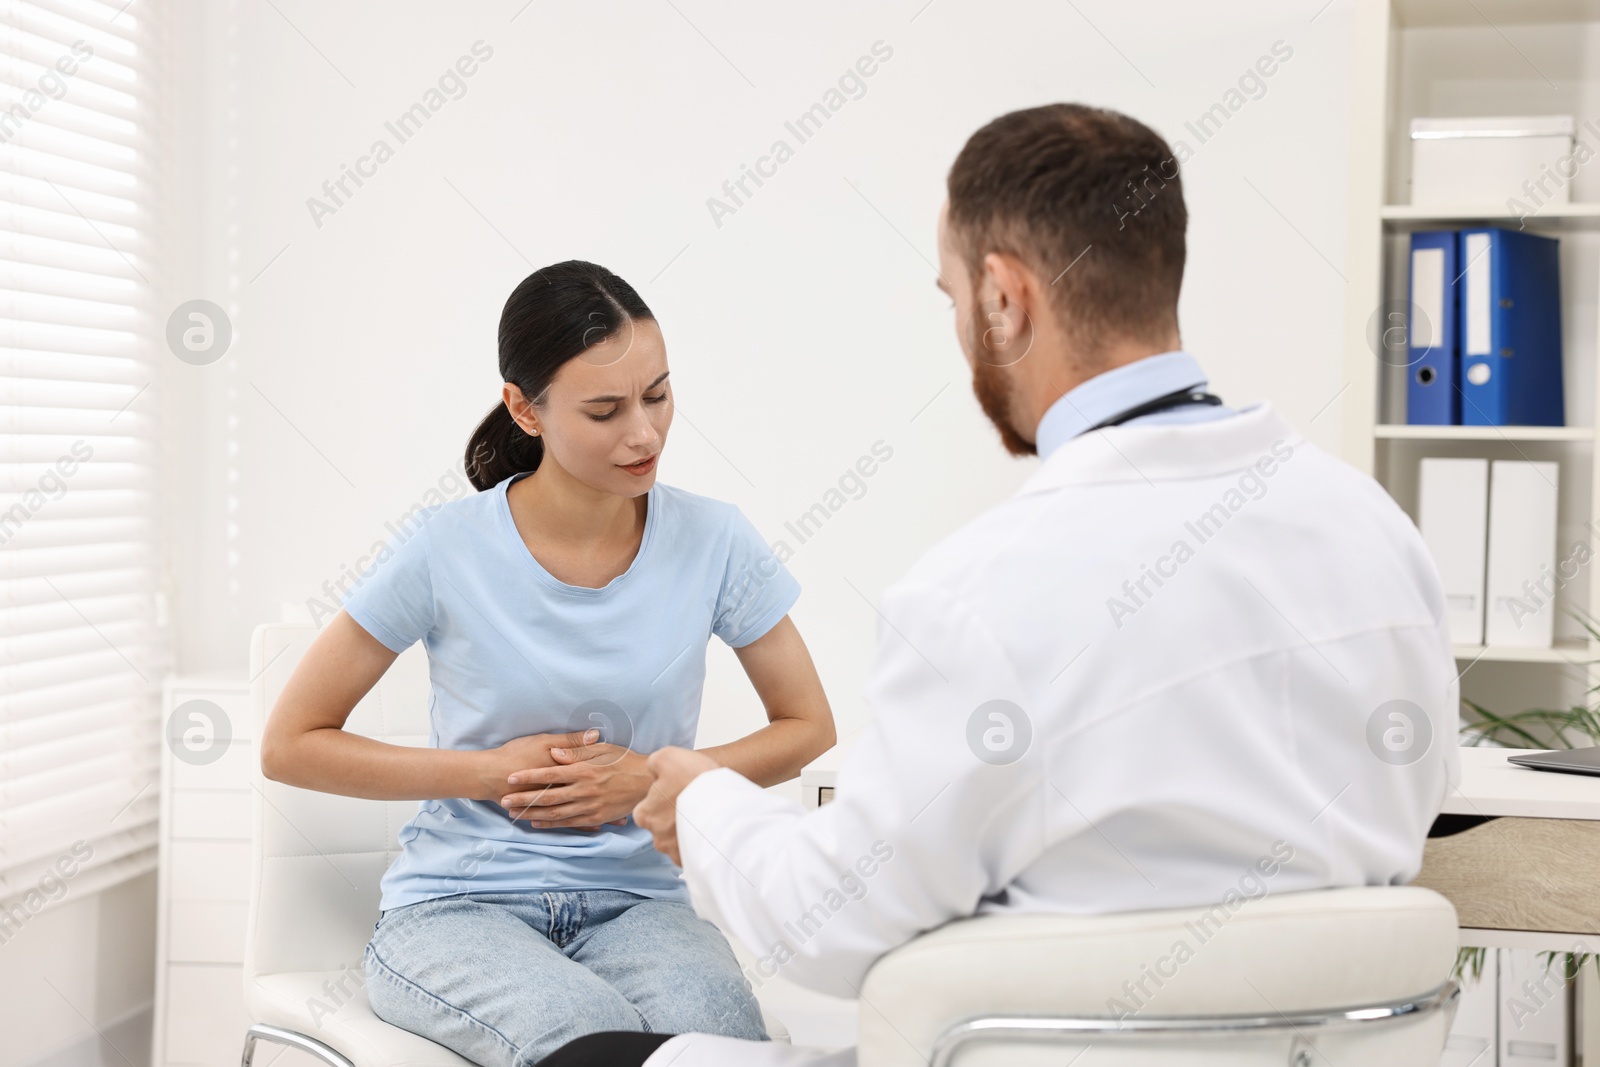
(1341, 976)
(314, 884)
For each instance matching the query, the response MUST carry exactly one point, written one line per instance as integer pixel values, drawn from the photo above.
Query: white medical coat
(1208, 645)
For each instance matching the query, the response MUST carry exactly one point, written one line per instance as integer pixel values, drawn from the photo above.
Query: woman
(565, 609)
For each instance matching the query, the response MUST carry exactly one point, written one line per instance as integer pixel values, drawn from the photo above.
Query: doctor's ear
(1012, 286)
(1002, 319)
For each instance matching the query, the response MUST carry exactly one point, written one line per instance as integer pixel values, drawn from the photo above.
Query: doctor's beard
(991, 385)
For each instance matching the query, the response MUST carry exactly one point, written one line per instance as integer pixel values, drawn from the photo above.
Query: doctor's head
(1061, 246)
(584, 389)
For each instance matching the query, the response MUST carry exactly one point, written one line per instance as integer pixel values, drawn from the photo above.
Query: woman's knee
(511, 1029)
(400, 1001)
(688, 980)
(546, 1035)
(711, 1003)
(705, 994)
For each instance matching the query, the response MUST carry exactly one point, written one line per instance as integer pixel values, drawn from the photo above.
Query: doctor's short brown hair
(1092, 201)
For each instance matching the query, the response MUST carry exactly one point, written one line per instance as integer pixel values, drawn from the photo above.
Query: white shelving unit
(1484, 433)
(1429, 215)
(1456, 58)
(1459, 58)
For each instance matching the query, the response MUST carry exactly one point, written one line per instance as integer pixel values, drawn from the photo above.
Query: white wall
(802, 330)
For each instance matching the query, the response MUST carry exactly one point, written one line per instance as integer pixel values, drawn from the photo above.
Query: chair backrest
(1278, 956)
(319, 857)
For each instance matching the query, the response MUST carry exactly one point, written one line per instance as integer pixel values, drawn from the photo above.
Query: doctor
(1192, 639)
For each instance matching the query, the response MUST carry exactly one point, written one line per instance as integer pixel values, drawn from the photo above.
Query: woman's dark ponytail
(555, 314)
(499, 448)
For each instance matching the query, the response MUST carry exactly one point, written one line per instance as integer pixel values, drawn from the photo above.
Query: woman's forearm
(778, 751)
(332, 760)
(304, 744)
(800, 726)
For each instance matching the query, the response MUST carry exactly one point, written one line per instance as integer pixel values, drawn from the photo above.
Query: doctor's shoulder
(1344, 486)
(963, 560)
(1403, 534)
(1362, 511)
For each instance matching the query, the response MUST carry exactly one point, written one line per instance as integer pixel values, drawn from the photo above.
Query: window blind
(81, 651)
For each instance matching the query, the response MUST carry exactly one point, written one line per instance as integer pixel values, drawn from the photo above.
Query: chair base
(1047, 1028)
(279, 1036)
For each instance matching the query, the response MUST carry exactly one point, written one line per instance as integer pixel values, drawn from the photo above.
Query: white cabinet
(204, 880)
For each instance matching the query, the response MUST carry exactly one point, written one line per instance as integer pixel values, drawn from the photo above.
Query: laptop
(1566, 760)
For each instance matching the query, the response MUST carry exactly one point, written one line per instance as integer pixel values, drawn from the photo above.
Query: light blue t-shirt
(514, 651)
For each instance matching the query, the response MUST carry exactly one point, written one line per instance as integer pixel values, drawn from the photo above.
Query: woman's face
(606, 409)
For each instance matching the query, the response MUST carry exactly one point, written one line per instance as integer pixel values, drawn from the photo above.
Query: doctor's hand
(673, 769)
(587, 784)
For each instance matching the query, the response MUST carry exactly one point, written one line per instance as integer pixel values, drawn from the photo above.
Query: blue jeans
(506, 978)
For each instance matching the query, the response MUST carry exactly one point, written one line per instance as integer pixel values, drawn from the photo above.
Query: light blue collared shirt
(1115, 391)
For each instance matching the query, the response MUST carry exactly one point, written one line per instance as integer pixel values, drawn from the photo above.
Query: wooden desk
(1525, 872)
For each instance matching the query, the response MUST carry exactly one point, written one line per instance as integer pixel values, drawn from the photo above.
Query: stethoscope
(1191, 395)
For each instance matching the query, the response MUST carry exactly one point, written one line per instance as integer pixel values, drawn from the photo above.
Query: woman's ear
(522, 412)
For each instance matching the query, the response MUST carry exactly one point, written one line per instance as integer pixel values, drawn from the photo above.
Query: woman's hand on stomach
(580, 785)
(497, 765)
